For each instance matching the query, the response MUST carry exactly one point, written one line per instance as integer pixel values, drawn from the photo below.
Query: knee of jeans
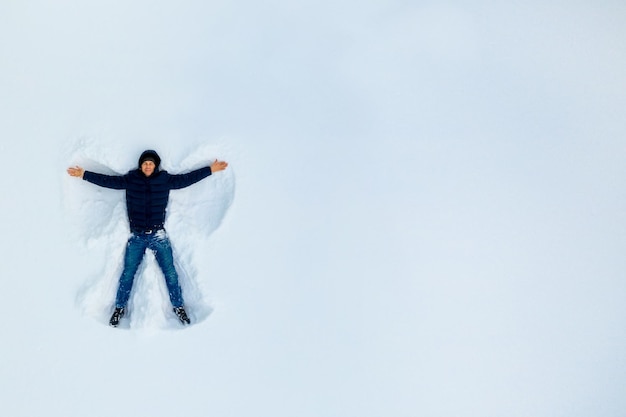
(170, 269)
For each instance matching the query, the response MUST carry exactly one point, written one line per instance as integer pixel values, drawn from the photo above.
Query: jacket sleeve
(177, 181)
(116, 182)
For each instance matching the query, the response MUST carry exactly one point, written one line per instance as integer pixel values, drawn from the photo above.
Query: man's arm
(117, 182)
(185, 180)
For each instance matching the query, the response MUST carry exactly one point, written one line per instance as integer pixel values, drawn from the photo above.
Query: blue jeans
(159, 243)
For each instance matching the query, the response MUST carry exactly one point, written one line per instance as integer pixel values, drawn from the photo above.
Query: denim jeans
(159, 243)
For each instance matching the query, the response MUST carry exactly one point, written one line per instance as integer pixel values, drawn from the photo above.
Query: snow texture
(423, 213)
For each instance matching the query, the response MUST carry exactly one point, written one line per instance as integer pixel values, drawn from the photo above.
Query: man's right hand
(76, 171)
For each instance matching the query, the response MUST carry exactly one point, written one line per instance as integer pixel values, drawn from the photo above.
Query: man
(147, 194)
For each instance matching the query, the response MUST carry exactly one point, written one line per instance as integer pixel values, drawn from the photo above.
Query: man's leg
(135, 249)
(163, 253)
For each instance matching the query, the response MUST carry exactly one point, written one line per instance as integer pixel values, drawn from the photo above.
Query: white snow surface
(423, 215)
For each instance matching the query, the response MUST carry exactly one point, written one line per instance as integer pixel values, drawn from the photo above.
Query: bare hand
(76, 171)
(218, 166)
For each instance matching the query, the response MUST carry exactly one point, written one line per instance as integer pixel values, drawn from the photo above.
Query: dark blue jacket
(147, 197)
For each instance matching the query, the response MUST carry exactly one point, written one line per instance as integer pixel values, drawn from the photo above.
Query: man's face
(147, 167)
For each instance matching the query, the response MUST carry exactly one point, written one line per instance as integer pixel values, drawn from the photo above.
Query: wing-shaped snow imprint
(99, 221)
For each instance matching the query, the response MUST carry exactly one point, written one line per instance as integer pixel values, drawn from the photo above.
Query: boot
(117, 315)
(182, 315)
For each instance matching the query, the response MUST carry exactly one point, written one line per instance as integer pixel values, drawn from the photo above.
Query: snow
(423, 212)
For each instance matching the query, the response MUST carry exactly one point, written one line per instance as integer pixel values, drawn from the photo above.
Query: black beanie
(150, 155)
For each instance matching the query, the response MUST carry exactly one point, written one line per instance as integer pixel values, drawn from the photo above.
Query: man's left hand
(218, 166)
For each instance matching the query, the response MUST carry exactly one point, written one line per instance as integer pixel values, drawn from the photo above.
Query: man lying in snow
(147, 194)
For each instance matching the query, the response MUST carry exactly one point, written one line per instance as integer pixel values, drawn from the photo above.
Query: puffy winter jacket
(147, 197)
